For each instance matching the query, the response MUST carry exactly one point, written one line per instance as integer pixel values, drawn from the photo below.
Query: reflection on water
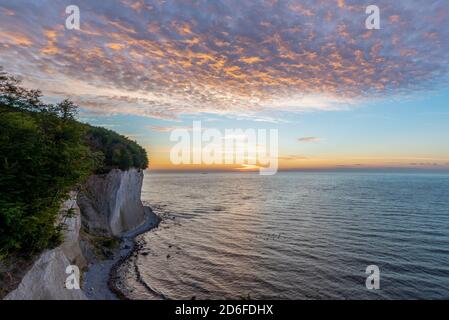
(296, 235)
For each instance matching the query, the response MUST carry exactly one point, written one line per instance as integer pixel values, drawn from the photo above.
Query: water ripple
(297, 235)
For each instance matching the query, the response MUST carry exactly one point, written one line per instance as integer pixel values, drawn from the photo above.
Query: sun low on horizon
(340, 95)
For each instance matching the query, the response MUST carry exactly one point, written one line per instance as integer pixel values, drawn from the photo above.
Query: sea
(296, 235)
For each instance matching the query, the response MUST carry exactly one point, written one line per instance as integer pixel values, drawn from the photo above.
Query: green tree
(43, 155)
(66, 110)
(13, 95)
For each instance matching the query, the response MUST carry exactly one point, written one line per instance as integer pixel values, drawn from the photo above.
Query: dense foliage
(119, 151)
(44, 153)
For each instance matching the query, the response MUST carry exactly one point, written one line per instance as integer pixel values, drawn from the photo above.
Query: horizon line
(348, 169)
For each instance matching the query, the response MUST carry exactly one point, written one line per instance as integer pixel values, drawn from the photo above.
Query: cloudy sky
(339, 94)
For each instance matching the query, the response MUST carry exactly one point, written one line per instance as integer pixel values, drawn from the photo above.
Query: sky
(339, 94)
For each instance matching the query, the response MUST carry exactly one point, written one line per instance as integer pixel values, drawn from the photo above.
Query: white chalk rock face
(110, 203)
(46, 280)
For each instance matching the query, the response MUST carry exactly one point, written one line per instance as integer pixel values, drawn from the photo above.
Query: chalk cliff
(111, 204)
(108, 205)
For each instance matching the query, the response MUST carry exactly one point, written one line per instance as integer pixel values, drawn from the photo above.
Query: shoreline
(125, 278)
(99, 279)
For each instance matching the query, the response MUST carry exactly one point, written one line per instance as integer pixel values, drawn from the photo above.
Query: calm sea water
(297, 235)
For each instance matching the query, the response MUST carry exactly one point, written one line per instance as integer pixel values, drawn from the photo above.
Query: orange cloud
(309, 139)
(116, 46)
(15, 38)
(230, 57)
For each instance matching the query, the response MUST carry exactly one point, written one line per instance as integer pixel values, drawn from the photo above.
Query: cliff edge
(110, 203)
